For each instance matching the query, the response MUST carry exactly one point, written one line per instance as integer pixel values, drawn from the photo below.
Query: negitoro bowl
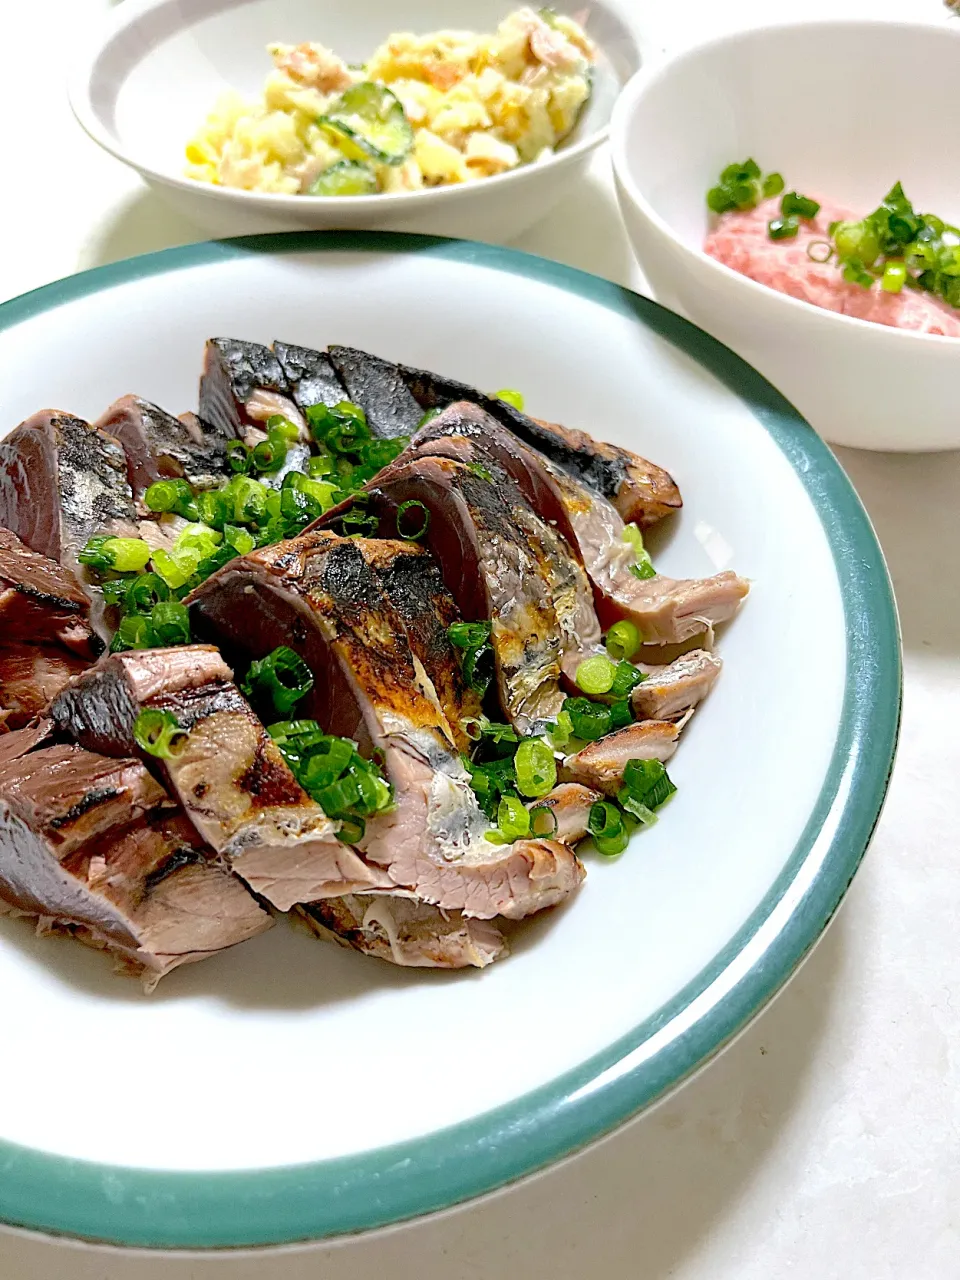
(290, 1090)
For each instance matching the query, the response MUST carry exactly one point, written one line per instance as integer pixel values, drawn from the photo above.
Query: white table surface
(826, 1142)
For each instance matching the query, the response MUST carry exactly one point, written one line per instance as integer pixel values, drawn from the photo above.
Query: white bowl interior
(840, 109)
(285, 1021)
(212, 45)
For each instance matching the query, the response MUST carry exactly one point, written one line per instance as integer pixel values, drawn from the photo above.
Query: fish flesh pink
(230, 777)
(670, 691)
(319, 595)
(600, 765)
(40, 601)
(160, 447)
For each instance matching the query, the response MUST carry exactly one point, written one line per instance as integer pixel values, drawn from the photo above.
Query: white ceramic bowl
(844, 109)
(299, 1090)
(149, 78)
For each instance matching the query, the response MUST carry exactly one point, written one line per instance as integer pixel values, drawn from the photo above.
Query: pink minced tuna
(740, 241)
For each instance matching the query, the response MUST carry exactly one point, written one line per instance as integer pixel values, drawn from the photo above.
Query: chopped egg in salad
(424, 111)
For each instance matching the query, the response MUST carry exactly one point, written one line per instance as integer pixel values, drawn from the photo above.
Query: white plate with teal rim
(288, 1090)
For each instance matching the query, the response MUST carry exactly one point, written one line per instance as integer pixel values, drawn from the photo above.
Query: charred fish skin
(378, 388)
(492, 570)
(61, 481)
(413, 583)
(233, 371)
(160, 447)
(641, 491)
(318, 594)
(310, 375)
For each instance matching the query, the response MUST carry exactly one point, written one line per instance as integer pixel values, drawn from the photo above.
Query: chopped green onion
(510, 397)
(773, 184)
(590, 720)
(596, 675)
(795, 205)
(513, 818)
(647, 782)
(643, 566)
(625, 680)
(894, 276)
(241, 540)
(782, 228)
(159, 734)
(134, 632)
(211, 508)
(413, 520)
(560, 733)
(621, 714)
(198, 539)
(92, 553)
(284, 676)
(339, 427)
(247, 500)
(238, 457)
(287, 430)
(543, 821)
(352, 830)
(820, 251)
(171, 623)
(319, 464)
(536, 768)
(622, 640)
(284, 729)
(176, 568)
(172, 495)
(144, 592)
(608, 829)
(476, 661)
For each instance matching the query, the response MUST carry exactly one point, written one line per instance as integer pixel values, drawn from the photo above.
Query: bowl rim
(220, 1209)
(629, 103)
(79, 77)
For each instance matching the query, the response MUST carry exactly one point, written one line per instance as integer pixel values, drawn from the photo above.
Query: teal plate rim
(200, 1210)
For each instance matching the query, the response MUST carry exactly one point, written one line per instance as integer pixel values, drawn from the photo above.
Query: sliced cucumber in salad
(345, 178)
(368, 122)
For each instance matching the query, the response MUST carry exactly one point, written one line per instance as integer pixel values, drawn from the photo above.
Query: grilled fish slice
(601, 764)
(161, 447)
(412, 581)
(667, 611)
(230, 777)
(641, 492)
(398, 928)
(494, 571)
(377, 387)
(670, 691)
(61, 482)
(570, 803)
(471, 436)
(235, 375)
(32, 674)
(41, 601)
(310, 375)
(92, 846)
(319, 595)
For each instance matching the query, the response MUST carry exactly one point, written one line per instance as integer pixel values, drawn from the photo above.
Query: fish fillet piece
(242, 387)
(40, 601)
(94, 847)
(61, 482)
(161, 447)
(667, 611)
(310, 376)
(672, 690)
(414, 586)
(601, 764)
(570, 803)
(230, 777)
(641, 491)
(464, 432)
(495, 571)
(32, 674)
(377, 387)
(400, 929)
(318, 594)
